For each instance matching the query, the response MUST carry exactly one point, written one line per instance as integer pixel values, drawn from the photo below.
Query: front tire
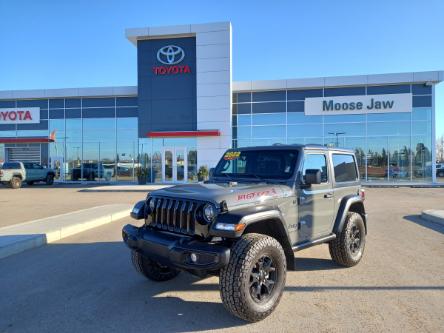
(152, 269)
(252, 283)
(15, 183)
(348, 248)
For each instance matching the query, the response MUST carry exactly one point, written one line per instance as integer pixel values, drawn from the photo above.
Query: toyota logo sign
(170, 55)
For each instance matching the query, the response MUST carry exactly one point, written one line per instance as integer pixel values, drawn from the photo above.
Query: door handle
(328, 195)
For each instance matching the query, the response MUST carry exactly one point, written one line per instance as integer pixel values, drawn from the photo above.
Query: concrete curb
(20, 237)
(433, 215)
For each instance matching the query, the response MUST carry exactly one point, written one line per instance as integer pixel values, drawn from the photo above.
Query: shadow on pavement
(427, 224)
(92, 287)
(315, 264)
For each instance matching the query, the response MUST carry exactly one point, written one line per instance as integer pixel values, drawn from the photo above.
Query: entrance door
(174, 165)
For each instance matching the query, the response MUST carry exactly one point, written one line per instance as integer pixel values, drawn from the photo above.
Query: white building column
(433, 136)
(214, 97)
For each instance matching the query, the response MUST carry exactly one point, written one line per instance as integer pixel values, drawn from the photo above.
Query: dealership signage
(358, 104)
(20, 116)
(171, 56)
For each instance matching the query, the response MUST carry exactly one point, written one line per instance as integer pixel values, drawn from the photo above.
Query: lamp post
(337, 136)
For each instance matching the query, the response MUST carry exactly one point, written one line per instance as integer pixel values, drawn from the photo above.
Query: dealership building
(186, 111)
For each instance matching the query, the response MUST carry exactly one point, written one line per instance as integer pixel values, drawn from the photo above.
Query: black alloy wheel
(263, 277)
(354, 240)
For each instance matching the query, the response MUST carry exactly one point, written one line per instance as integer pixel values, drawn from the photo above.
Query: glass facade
(95, 138)
(390, 147)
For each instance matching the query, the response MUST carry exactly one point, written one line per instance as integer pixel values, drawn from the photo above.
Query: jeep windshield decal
(231, 155)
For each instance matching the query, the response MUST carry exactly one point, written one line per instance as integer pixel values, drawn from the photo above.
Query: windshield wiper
(253, 176)
(225, 175)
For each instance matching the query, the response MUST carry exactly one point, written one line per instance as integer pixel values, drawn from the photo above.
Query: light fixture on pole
(337, 136)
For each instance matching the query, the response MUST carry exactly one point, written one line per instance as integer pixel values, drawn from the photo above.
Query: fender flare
(247, 215)
(344, 208)
(253, 218)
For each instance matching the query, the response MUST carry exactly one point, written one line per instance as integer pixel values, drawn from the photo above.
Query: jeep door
(316, 202)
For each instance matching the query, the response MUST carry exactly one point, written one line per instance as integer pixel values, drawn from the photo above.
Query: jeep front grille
(175, 215)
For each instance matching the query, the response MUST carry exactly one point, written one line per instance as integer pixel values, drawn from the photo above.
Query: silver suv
(260, 205)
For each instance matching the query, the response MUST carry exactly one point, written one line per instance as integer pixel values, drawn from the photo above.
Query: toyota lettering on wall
(20, 115)
(171, 56)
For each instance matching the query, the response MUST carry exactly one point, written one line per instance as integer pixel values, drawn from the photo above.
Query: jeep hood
(234, 195)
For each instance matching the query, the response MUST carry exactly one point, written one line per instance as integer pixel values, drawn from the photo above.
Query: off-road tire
(15, 182)
(340, 250)
(234, 279)
(151, 269)
(49, 180)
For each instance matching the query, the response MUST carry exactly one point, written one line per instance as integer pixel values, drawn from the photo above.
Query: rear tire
(252, 283)
(348, 248)
(15, 183)
(152, 269)
(49, 179)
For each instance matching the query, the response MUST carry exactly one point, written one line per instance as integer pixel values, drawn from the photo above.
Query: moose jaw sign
(19, 116)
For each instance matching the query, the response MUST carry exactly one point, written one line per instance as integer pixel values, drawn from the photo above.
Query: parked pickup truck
(13, 174)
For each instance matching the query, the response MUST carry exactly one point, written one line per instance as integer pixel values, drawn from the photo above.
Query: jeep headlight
(209, 213)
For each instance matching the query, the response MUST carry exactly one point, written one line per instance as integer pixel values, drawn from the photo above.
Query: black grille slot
(175, 215)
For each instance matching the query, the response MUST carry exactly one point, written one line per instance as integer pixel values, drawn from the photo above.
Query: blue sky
(57, 44)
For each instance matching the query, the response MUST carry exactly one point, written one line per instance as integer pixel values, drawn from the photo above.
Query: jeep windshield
(257, 164)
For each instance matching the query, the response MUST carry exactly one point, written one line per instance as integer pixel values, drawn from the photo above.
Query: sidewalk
(20, 237)
(433, 215)
(126, 188)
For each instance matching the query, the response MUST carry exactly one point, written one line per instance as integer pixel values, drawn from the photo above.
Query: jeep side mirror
(211, 172)
(312, 176)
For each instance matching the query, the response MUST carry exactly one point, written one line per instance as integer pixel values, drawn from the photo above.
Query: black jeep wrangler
(260, 205)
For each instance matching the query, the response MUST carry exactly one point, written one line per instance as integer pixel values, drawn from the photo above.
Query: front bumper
(175, 250)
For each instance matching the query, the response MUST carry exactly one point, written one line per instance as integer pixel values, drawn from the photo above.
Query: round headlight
(151, 205)
(209, 212)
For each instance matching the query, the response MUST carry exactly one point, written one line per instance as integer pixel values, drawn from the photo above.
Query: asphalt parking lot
(86, 283)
